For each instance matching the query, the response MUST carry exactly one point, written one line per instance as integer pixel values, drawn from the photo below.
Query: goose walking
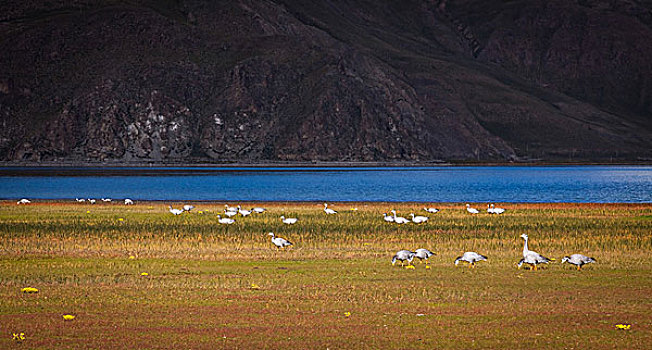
(175, 211)
(578, 260)
(471, 258)
(129, 201)
(399, 219)
(188, 207)
(431, 210)
(531, 257)
(423, 254)
(225, 221)
(388, 218)
(328, 210)
(472, 210)
(419, 219)
(289, 221)
(258, 210)
(403, 255)
(279, 242)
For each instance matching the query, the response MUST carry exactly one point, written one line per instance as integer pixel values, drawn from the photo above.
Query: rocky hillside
(332, 80)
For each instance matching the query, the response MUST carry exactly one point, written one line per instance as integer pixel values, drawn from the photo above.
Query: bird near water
(418, 219)
(289, 221)
(225, 221)
(175, 211)
(431, 210)
(472, 210)
(328, 210)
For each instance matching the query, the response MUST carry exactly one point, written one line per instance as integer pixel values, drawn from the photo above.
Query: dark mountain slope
(332, 80)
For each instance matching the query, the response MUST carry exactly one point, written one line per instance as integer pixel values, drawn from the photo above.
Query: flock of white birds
(531, 258)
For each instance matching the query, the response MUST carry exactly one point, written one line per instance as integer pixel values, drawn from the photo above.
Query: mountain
(333, 80)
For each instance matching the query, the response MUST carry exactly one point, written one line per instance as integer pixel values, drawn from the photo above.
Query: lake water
(632, 184)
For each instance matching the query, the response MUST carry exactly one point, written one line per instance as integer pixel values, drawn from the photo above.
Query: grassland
(213, 286)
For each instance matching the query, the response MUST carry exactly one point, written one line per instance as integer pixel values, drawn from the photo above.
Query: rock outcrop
(284, 80)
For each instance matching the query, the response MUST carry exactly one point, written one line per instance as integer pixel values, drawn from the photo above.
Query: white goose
(495, 210)
(230, 213)
(279, 242)
(423, 254)
(490, 210)
(225, 221)
(419, 219)
(258, 210)
(106, 200)
(80, 200)
(289, 221)
(399, 219)
(328, 210)
(243, 212)
(129, 201)
(175, 211)
(188, 207)
(403, 255)
(471, 210)
(24, 201)
(578, 260)
(471, 258)
(92, 201)
(388, 218)
(532, 258)
(431, 210)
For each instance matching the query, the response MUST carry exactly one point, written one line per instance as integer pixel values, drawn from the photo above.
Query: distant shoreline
(283, 164)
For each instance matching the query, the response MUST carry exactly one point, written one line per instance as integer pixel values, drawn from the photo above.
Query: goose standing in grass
(24, 201)
(423, 254)
(230, 213)
(243, 212)
(188, 207)
(490, 210)
(328, 210)
(403, 255)
(279, 242)
(431, 210)
(289, 221)
(388, 218)
(471, 258)
(225, 221)
(175, 211)
(532, 258)
(258, 210)
(578, 260)
(399, 219)
(129, 201)
(418, 219)
(91, 201)
(106, 200)
(80, 200)
(471, 210)
(495, 210)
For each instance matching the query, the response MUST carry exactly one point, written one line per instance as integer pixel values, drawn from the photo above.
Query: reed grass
(87, 260)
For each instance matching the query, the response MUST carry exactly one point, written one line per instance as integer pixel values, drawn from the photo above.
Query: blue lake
(631, 184)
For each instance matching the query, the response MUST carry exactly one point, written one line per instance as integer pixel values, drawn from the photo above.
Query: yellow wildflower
(68, 317)
(144, 274)
(254, 286)
(347, 314)
(121, 219)
(410, 267)
(427, 267)
(29, 290)
(131, 257)
(88, 211)
(623, 326)
(18, 336)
